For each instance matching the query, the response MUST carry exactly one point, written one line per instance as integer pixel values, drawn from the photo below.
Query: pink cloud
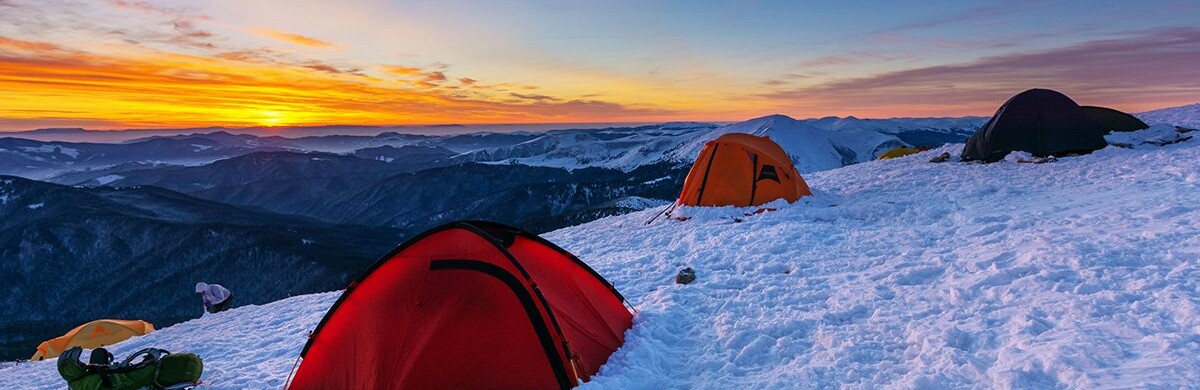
(1138, 71)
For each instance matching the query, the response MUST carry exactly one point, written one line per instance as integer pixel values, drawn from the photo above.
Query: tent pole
(660, 213)
(288, 381)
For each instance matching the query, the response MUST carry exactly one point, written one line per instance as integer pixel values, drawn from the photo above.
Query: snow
(5, 191)
(248, 347)
(1018, 156)
(1153, 136)
(812, 148)
(52, 148)
(639, 203)
(1186, 116)
(656, 180)
(36, 206)
(1078, 273)
(201, 148)
(623, 148)
(106, 179)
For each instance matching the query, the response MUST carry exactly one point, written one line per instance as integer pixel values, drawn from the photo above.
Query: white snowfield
(1080, 273)
(1186, 116)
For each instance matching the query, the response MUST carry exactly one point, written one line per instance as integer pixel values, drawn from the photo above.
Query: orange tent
(738, 169)
(94, 334)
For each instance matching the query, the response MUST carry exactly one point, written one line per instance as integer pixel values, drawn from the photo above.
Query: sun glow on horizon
(272, 118)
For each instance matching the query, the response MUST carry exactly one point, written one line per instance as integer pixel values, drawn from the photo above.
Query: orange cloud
(293, 38)
(423, 77)
(403, 70)
(27, 46)
(41, 85)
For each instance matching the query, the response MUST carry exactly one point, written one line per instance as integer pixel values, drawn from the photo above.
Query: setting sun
(271, 118)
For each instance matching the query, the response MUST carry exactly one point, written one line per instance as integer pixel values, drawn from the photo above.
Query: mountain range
(72, 254)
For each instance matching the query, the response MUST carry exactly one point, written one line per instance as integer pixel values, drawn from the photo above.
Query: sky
(115, 64)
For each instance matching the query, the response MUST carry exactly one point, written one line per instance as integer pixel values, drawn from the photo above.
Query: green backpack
(157, 369)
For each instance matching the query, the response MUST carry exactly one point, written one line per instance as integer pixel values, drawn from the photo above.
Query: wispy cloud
(297, 39)
(969, 15)
(534, 97)
(11, 44)
(1130, 72)
(431, 76)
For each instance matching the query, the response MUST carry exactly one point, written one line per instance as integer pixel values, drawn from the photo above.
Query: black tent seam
(704, 183)
(753, 177)
(526, 299)
(556, 248)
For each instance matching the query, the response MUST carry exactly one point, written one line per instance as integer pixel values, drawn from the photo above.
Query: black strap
(704, 183)
(753, 177)
(151, 356)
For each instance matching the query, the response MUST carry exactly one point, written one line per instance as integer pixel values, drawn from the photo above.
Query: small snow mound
(1156, 135)
(1018, 156)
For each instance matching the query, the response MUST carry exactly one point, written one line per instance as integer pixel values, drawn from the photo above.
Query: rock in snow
(895, 274)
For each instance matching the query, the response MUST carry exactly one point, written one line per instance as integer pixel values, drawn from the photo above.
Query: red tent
(469, 305)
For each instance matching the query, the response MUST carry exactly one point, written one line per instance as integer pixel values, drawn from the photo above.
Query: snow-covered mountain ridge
(1082, 273)
(813, 144)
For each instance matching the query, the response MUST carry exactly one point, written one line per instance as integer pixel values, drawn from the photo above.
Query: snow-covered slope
(618, 148)
(811, 148)
(1186, 116)
(1082, 273)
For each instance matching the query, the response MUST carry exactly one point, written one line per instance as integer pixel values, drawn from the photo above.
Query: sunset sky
(110, 64)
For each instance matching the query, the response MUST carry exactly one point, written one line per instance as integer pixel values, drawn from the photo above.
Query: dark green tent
(1113, 120)
(1039, 121)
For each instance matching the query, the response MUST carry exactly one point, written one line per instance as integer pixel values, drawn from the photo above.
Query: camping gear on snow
(1039, 121)
(149, 368)
(1037, 160)
(739, 169)
(1111, 120)
(685, 276)
(900, 152)
(940, 158)
(467, 305)
(216, 297)
(93, 334)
